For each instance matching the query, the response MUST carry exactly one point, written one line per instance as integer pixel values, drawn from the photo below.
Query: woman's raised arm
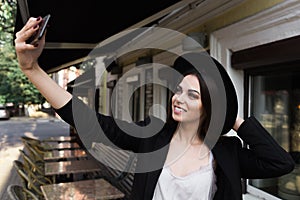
(27, 55)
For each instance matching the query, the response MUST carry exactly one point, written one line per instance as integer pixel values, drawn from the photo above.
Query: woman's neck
(187, 132)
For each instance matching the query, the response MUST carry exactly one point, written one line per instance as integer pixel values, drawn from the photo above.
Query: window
(275, 102)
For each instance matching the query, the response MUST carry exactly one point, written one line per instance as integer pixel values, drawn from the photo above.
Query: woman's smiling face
(186, 102)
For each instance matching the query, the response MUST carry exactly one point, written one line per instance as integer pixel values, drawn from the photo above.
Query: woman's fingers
(28, 30)
(32, 21)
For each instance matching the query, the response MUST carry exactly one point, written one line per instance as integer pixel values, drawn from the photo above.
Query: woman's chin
(177, 118)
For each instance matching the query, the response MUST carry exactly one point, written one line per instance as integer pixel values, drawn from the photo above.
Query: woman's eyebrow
(191, 90)
(179, 87)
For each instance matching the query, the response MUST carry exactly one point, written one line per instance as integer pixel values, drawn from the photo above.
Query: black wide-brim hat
(220, 86)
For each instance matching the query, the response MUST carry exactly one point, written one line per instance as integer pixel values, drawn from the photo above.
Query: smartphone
(41, 31)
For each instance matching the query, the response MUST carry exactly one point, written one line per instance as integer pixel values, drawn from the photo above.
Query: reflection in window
(276, 103)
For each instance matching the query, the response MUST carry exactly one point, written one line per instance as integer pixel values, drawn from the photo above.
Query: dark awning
(76, 26)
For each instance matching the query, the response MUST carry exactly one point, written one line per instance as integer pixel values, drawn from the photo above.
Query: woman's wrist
(28, 70)
(238, 123)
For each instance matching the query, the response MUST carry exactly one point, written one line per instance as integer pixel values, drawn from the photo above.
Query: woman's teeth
(177, 109)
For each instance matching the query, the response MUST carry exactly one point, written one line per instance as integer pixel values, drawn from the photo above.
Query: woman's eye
(193, 95)
(178, 90)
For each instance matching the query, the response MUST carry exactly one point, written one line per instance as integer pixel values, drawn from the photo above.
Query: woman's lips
(178, 110)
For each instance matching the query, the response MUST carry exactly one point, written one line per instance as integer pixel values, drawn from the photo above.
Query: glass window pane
(276, 104)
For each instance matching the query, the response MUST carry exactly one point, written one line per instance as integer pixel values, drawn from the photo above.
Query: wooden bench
(117, 166)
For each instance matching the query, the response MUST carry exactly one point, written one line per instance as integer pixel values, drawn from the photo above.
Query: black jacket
(263, 159)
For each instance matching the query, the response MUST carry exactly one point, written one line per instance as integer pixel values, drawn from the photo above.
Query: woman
(189, 169)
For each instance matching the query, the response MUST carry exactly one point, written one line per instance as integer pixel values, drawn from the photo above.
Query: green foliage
(14, 86)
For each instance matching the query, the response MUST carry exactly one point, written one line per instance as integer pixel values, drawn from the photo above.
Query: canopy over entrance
(77, 26)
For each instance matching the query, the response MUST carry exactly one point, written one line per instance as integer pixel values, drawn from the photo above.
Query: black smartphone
(39, 34)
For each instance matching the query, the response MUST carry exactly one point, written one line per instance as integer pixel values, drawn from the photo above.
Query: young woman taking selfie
(190, 168)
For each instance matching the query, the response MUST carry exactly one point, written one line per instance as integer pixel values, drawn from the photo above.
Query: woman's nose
(180, 98)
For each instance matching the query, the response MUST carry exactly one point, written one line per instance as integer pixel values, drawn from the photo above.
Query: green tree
(14, 86)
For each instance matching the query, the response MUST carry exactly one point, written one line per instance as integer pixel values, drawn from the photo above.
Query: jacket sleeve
(264, 158)
(92, 126)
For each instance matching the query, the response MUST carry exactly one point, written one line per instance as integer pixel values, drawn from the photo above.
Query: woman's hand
(28, 54)
(237, 123)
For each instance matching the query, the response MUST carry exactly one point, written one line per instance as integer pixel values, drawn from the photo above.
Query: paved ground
(10, 143)
(7, 173)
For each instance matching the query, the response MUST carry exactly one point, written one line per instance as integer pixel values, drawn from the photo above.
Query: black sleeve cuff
(66, 113)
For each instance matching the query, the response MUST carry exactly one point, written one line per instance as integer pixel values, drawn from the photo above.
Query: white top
(198, 185)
